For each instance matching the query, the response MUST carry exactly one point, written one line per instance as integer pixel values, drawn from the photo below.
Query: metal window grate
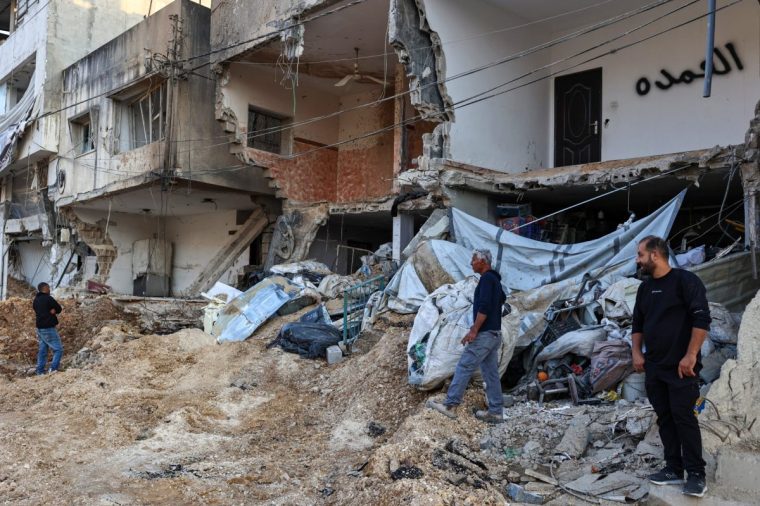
(354, 301)
(260, 121)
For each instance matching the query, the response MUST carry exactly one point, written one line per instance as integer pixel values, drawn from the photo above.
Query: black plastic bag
(309, 340)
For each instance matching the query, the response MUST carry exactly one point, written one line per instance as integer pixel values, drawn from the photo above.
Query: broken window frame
(20, 9)
(147, 117)
(82, 134)
(272, 142)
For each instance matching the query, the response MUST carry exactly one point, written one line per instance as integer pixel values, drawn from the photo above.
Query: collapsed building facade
(323, 129)
(493, 107)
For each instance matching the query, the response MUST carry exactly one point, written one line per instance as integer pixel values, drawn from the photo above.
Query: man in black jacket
(46, 308)
(672, 318)
(482, 344)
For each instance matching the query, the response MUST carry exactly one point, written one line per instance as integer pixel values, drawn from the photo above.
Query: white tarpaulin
(435, 343)
(524, 263)
(433, 264)
(13, 124)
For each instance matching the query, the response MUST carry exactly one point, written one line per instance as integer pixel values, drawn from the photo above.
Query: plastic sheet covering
(695, 256)
(435, 345)
(620, 298)
(579, 342)
(525, 263)
(723, 328)
(334, 285)
(611, 363)
(13, 124)
(434, 264)
(240, 318)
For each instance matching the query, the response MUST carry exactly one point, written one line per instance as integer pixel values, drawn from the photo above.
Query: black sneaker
(666, 477)
(695, 486)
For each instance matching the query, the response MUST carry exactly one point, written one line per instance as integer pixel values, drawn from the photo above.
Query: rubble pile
(80, 321)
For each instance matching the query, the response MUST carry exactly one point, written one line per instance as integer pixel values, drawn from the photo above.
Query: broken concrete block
(531, 448)
(519, 494)
(576, 437)
(737, 469)
(598, 484)
(334, 355)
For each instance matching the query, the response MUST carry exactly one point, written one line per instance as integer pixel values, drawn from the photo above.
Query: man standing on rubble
(46, 308)
(482, 344)
(672, 318)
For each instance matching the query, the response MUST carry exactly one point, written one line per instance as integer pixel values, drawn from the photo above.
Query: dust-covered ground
(179, 419)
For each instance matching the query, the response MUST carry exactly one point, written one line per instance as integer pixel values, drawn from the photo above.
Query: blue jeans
(49, 338)
(483, 352)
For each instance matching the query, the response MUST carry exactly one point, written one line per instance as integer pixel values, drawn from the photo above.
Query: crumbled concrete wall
(439, 176)
(242, 24)
(419, 50)
(736, 393)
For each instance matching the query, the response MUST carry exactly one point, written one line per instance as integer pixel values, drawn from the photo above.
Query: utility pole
(169, 66)
(170, 146)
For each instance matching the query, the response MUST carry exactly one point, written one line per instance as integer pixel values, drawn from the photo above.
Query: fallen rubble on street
(309, 388)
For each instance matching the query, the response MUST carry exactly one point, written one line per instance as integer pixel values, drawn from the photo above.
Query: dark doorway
(578, 118)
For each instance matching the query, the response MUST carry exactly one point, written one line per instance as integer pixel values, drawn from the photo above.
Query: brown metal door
(578, 118)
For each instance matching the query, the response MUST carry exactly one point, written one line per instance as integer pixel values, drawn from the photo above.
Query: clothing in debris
(483, 352)
(489, 299)
(666, 311)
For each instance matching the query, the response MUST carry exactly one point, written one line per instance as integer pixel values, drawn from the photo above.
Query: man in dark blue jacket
(482, 344)
(672, 318)
(46, 308)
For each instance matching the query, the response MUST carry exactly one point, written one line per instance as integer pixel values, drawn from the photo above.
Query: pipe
(710, 48)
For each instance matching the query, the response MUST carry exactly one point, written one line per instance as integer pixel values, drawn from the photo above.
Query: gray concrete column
(403, 233)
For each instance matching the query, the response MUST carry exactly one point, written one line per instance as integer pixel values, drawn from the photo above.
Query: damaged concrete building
(504, 109)
(324, 129)
(154, 214)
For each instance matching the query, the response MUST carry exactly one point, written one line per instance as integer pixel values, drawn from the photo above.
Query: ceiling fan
(356, 76)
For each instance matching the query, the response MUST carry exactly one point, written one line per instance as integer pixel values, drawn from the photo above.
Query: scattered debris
(407, 472)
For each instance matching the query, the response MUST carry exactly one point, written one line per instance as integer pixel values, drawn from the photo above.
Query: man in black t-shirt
(671, 318)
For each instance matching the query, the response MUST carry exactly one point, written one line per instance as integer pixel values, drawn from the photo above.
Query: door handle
(595, 126)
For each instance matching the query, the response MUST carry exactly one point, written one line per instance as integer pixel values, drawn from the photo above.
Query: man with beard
(672, 318)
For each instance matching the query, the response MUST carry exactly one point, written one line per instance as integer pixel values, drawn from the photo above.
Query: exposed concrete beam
(229, 252)
(441, 174)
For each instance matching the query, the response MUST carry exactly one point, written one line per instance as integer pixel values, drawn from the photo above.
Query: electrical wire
(466, 102)
(273, 33)
(513, 57)
(448, 42)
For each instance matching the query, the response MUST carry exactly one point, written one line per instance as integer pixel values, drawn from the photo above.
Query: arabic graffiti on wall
(721, 67)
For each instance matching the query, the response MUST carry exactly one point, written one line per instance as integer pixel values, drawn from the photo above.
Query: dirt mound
(80, 322)
(20, 288)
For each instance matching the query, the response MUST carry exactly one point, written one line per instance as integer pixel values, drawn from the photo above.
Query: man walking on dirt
(46, 308)
(672, 318)
(482, 344)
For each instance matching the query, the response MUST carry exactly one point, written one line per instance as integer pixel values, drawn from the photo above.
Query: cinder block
(738, 470)
(334, 355)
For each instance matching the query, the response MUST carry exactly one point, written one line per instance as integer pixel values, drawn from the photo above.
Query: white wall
(507, 133)
(259, 87)
(197, 239)
(516, 130)
(677, 119)
(123, 229)
(35, 263)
